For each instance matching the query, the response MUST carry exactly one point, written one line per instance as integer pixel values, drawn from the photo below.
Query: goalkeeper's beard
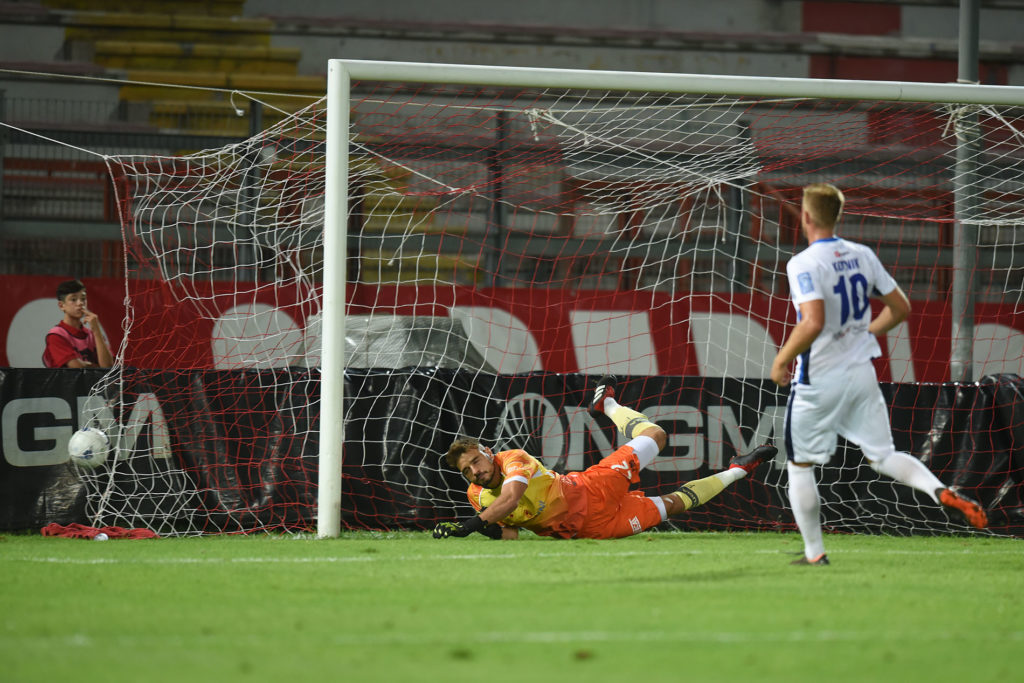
(488, 481)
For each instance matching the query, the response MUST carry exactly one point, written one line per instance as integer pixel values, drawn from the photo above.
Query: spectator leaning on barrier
(77, 341)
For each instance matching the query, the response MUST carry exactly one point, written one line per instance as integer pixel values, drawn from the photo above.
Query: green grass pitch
(694, 607)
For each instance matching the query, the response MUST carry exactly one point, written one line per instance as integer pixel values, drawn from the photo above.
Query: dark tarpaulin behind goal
(211, 451)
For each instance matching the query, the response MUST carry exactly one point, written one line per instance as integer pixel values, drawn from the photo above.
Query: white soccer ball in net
(88, 447)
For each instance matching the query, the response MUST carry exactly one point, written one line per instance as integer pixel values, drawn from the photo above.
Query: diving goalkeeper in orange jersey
(512, 489)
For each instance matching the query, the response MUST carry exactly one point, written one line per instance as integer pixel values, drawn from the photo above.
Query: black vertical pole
(966, 197)
(496, 212)
(250, 254)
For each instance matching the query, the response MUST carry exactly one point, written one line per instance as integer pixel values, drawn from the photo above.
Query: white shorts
(848, 403)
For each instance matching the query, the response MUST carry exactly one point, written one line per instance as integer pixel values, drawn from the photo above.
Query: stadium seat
(220, 8)
(207, 45)
(176, 56)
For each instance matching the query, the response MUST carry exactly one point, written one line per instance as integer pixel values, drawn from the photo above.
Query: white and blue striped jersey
(844, 275)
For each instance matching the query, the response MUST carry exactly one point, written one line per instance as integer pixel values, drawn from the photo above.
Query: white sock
(908, 470)
(660, 504)
(646, 449)
(610, 406)
(803, 498)
(730, 475)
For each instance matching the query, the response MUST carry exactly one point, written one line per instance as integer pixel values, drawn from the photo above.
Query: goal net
(501, 244)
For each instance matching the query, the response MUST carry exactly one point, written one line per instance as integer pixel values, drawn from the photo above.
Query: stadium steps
(57, 189)
(387, 209)
(215, 117)
(175, 56)
(386, 269)
(397, 214)
(201, 47)
(211, 85)
(185, 28)
(181, 66)
(217, 8)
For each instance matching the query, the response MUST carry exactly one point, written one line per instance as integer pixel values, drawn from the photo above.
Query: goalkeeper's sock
(646, 450)
(910, 471)
(803, 498)
(730, 475)
(629, 421)
(700, 491)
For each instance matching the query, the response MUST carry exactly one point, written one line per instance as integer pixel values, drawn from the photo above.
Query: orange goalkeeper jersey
(552, 505)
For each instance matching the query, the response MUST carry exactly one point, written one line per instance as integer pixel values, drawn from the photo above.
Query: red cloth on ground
(81, 531)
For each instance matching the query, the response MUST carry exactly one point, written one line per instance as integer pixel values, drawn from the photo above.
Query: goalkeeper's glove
(465, 528)
(492, 531)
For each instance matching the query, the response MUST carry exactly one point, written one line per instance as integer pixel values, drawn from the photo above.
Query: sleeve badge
(805, 283)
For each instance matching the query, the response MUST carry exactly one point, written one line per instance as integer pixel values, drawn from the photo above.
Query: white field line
(487, 637)
(475, 638)
(461, 557)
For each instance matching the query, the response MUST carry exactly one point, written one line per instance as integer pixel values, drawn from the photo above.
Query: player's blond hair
(825, 204)
(461, 445)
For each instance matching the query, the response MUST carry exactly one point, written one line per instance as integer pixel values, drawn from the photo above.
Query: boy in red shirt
(77, 341)
(512, 489)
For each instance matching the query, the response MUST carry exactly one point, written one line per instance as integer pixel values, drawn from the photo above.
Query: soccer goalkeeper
(512, 489)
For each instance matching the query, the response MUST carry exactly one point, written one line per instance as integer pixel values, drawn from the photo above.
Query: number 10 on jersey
(852, 295)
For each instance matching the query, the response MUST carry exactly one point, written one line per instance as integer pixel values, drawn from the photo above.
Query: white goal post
(342, 73)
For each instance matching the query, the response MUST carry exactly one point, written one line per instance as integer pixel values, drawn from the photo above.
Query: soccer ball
(88, 447)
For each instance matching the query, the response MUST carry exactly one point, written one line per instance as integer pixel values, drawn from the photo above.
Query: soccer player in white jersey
(834, 387)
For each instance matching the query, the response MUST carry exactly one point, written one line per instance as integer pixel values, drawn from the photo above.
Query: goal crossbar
(760, 86)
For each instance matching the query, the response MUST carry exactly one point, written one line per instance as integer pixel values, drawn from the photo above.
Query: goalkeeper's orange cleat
(971, 511)
(749, 462)
(605, 389)
(819, 561)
